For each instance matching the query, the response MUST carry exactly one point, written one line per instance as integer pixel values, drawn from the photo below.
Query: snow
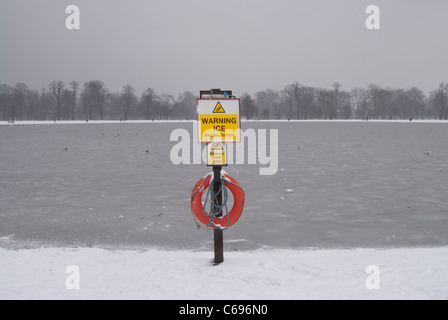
(48, 122)
(418, 273)
(92, 122)
(361, 194)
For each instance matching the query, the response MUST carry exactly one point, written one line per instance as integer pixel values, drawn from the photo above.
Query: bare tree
(57, 89)
(268, 102)
(382, 101)
(294, 91)
(418, 103)
(45, 105)
(67, 104)
(325, 103)
(439, 101)
(94, 96)
(408, 104)
(128, 99)
(360, 101)
(32, 113)
(148, 100)
(345, 105)
(336, 105)
(20, 99)
(6, 102)
(74, 85)
(248, 107)
(185, 108)
(308, 102)
(444, 111)
(164, 110)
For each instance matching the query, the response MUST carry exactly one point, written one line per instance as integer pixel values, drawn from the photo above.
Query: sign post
(219, 122)
(218, 234)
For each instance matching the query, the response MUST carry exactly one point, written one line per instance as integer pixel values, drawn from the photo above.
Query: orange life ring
(234, 214)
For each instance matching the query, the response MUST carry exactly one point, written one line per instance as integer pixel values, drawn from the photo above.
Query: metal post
(218, 234)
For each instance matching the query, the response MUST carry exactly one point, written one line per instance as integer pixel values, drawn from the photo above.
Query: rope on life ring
(208, 219)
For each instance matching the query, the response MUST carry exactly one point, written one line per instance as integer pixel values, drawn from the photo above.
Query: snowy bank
(48, 122)
(263, 274)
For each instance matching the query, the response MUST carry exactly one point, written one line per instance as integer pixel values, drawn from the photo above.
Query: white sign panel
(219, 120)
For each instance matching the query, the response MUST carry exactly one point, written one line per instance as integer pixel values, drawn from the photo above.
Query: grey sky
(244, 45)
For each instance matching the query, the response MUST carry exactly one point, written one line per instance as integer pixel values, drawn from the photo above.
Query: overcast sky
(244, 45)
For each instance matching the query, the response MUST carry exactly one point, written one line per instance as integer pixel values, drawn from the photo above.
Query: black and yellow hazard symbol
(216, 146)
(219, 108)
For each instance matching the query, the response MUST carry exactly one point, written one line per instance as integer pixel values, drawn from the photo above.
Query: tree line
(93, 101)
(301, 102)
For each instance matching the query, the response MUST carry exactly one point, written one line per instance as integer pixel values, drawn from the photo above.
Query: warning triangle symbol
(217, 146)
(219, 108)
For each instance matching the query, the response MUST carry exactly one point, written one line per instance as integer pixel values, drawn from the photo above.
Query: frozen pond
(354, 185)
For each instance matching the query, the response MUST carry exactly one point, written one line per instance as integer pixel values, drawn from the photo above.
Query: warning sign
(219, 120)
(216, 146)
(217, 155)
(219, 108)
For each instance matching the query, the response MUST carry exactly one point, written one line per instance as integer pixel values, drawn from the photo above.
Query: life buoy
(204, 217)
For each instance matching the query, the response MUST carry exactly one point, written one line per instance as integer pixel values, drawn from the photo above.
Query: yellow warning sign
(217, 158)
(219, 108)
(222, 127)
(219, 120)
(217, 154)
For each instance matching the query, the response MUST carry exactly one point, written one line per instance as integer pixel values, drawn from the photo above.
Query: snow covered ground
(253, 275)
(48, 122)
(106, 198)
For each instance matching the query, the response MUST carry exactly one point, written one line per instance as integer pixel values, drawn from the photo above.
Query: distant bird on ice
(428, 153)
(66, 149)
